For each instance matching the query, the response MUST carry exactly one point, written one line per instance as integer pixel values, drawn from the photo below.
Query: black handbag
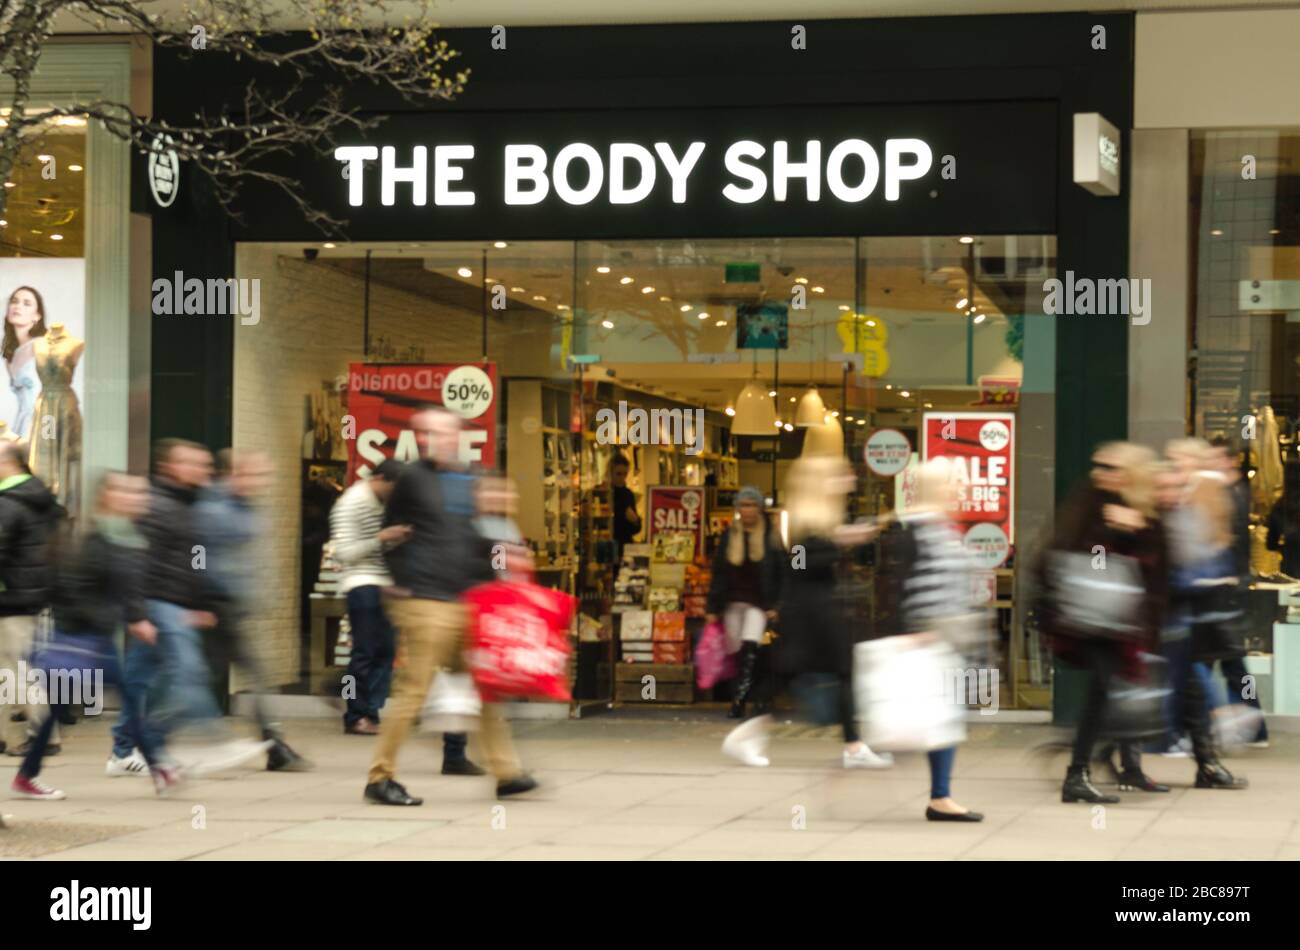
(1135, 708)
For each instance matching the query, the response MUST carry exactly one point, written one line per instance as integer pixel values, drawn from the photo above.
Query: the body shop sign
(676, 513)
(382, 397)
(981, 449)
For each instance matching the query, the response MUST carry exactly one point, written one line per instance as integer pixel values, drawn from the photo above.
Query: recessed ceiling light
(801, 280)
(777, 423)
(1217, 232)
(889, 385)
(538, 297)
(819, 290)
(730, 411)
(848, 418)
(607, 324)
(602, 269)
(979, 318)
(625, 280)
(9, 184)
(962, 303)
(663, 299)
(45, 158)
(788, 427)
(685, 307)
(929, 405)
(871, 323)
(329, 244)
(1274, 231)
(464, 272)
(647, 290)
(862, 422)
(3, 223)
(794, 398)
(561, 306)
(771, 393)
(845, 307)
(966, 240)
(74, 168)
(721, 323)
(56, 237)
(516, 290)
(500, 244)
(702, 315)
(905, 394)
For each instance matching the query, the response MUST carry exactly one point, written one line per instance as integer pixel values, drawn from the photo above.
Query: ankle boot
(744, 679)
(1131, 780)
(1212, 774)
(1078, 787)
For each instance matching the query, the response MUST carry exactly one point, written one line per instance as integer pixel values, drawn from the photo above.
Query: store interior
(781, 347)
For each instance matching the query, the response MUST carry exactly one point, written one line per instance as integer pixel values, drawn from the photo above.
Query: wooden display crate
(674, 682)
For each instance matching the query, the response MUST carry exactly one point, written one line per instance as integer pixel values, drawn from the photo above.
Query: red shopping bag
(519, 640)
(712, 661)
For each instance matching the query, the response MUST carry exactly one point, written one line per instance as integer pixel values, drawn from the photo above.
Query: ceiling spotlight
(500, 244)
(979, 318)
(777, 423)
(787, 427)
(625, 280)
(602, 269)
(9, 184)
(848, 418)
(56, 237)
(794, 398)
(561, 306)
(74, 168)
(3, 223)
(516, 290)
(871, 323)
(819, 290)
(1274, 231)
(771, 393)
(702, 315)
(845, 306)
(647, 290)
(721, 323)
(730, 410)
(663, 299)
(45, 158)
(929, 405)
(835, 413)
(607, 324)
(962, 303)
(966, 240)
(889, 385)
(464, 272)
(329, 245)
(862, 422)
(905, 394)
(1217, 232)
(801, 280)
(685, 307)
(538, 297)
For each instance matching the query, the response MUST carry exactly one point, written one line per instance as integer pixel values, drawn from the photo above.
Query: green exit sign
(743, 273)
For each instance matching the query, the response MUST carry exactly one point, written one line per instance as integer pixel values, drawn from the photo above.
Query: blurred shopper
(1104, 580)
(746, 587)
(444, 557)
(182, 601)
(929, 590)
(96, 590)
(231, 526)
(29, 516)
(816, 638)
(360, 540)
(1209, 585)
(627, 522)
(1182, 536)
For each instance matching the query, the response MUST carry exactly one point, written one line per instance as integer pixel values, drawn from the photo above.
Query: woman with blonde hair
(1104, 581)
(815, 634)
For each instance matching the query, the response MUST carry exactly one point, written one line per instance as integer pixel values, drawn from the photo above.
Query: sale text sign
(980, 447)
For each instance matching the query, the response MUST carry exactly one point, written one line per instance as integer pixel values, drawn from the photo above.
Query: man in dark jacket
(443, 557)
(182, 601)
(29, 515)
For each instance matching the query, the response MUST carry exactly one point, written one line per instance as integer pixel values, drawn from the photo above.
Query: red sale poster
(981, 448)
(382, 397)
(676, 524)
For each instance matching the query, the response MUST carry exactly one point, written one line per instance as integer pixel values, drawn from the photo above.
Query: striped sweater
(355, 522)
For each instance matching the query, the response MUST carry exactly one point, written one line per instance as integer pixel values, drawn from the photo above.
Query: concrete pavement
(620, 787)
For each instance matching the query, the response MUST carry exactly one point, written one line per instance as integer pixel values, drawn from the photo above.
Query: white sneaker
(218, 758)
(747, 743)
(133, 764)
(864, 758)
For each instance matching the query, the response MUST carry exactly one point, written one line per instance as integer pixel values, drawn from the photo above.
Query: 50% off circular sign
(467, 391)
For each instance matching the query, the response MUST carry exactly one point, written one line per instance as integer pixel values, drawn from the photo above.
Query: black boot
(281, 758)
(744, 679)
(1212, 774)
(1078, 787)
(1139, 781)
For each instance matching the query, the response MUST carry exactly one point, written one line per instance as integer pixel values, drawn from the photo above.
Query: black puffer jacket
(172, 529)
(29, 515)
(96, 582)
(445, 556)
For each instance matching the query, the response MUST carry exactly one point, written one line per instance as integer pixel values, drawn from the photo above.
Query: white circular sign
(988, 544)
(888, 451)
(467, 391)
(164, 170)
(994, 435)
(690, 500)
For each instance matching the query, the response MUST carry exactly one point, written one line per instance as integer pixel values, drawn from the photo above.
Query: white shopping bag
(901, 689)
(453, 704)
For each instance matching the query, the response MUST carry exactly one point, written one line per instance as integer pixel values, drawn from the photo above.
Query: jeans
(230, 645)
(175, 664)
(135, 730)
(374, 644)
(1177, 655)
(941, 762)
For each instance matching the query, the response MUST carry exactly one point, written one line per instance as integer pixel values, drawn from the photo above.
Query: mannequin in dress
(24, 324)
(55, 439)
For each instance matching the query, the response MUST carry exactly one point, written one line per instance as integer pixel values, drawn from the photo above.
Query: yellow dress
(55, 440)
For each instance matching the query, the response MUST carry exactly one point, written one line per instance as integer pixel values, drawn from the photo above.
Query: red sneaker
(24, 787)
(166, 779)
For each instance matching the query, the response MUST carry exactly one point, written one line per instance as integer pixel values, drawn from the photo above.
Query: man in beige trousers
(442, 557)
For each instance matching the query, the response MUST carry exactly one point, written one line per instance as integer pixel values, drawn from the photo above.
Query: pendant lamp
(812, 411)
(755, 411)
(825, 440)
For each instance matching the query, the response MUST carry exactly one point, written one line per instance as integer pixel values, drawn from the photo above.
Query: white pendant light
(811, 409)
(755, 411)
(825, 440)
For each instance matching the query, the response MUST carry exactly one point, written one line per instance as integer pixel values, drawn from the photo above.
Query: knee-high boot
(744, 678)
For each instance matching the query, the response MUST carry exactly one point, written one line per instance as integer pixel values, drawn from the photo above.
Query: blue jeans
(374, 644)
(134, 729)
(176, 665)
(941, 762)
